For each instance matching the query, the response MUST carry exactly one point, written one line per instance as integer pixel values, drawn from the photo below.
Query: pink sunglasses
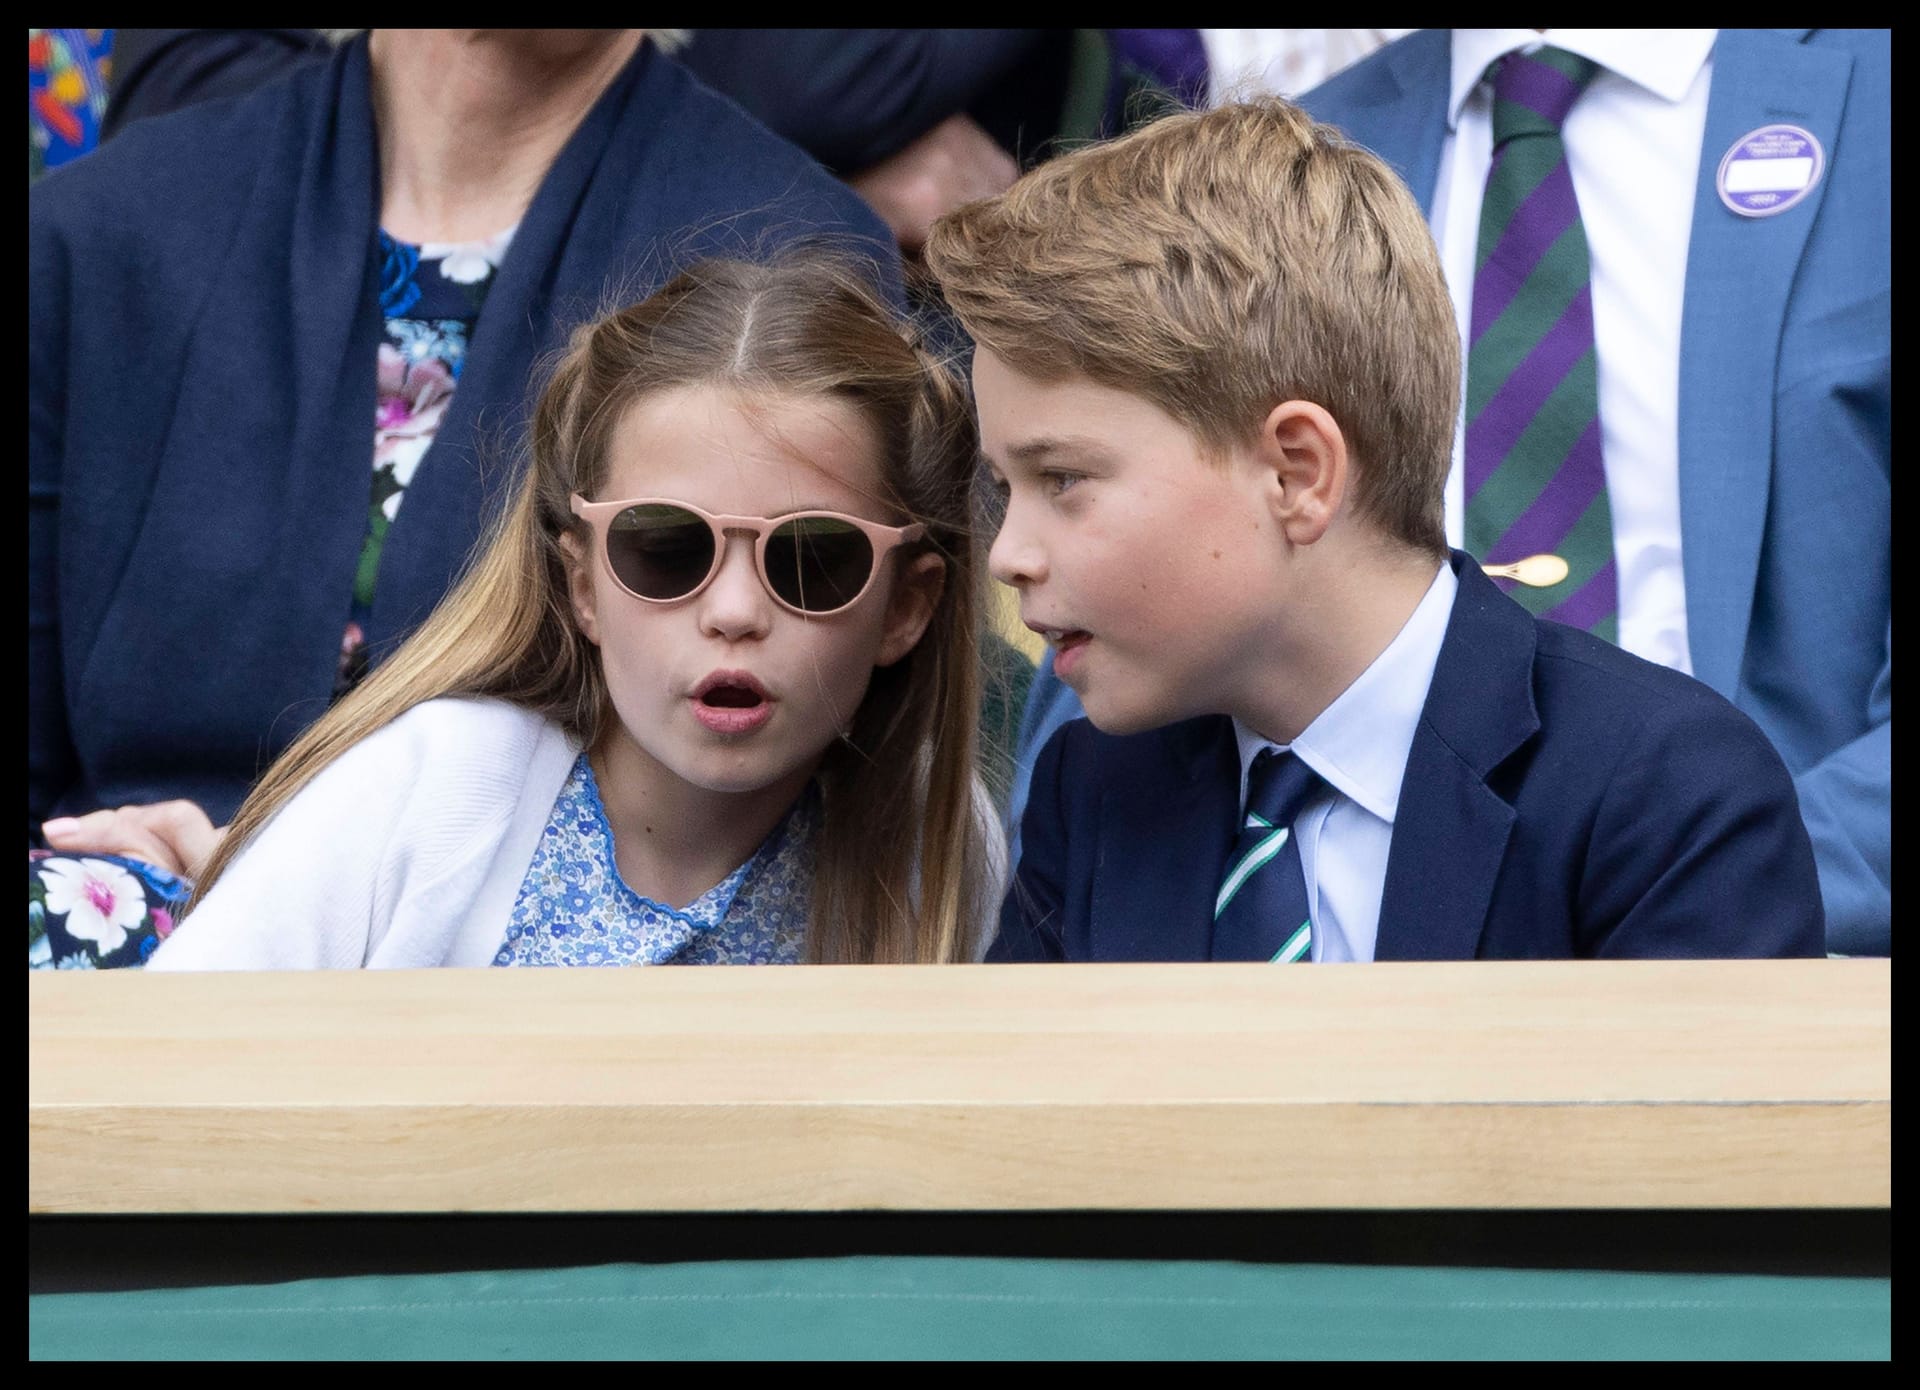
(813, 563)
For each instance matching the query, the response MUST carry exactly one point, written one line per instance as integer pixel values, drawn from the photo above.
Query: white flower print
(100, 900)
(404, 453)
(468, 262)
(415, 341)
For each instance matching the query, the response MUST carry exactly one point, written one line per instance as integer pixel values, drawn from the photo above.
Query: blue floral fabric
(98, 911)
(574, 908)
(430, 298)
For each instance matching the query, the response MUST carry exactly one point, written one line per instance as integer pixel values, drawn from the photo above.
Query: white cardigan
(406, 851)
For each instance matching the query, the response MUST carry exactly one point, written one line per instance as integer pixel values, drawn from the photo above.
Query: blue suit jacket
(1562, 799)
(1785, 428)
(202, 324)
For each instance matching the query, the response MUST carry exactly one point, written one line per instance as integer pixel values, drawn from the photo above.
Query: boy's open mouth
(1067, 643)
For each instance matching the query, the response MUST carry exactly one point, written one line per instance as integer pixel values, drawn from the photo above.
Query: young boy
(1216, 371)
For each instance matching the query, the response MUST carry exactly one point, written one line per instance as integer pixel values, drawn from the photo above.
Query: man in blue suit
(1217, 378)
(1744, 348)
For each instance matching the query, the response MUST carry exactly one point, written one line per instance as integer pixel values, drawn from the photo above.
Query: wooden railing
(1522, 1085)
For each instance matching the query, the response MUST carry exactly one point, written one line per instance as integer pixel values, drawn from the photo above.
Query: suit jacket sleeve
(1031, 917)
(1847, 800)
(1698, 849)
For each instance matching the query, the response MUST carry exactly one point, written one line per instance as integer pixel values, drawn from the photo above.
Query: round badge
(1769, 170)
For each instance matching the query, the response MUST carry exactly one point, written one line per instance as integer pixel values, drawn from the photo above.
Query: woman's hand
(954, 163)
(171, 835)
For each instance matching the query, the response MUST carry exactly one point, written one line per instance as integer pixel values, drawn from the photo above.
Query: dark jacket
(1562, 799)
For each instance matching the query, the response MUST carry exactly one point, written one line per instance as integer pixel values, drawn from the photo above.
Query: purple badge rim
(1793, 199)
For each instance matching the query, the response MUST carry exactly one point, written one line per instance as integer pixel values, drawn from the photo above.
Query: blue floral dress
(574, 908)
(109, 910)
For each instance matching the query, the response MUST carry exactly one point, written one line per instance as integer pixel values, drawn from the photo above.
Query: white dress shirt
(1359, 744)
(1633, 149)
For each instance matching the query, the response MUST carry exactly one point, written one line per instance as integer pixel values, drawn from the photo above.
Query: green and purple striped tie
(1535, 481)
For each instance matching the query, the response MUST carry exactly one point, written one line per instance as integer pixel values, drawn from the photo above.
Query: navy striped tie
(1261, 911)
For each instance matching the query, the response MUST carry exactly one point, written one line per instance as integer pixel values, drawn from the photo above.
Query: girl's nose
(736, 604)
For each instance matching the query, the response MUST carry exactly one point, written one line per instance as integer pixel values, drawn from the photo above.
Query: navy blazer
(1562, 799)
(203, 315)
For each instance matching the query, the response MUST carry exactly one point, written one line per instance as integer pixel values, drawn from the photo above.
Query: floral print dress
(87, 912)
(574, 908)
(96, 911)
(430, 296)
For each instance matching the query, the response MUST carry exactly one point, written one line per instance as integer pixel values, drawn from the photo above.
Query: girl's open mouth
(731, 702)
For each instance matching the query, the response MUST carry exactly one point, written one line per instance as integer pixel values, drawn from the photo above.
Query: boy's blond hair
(1218, 263)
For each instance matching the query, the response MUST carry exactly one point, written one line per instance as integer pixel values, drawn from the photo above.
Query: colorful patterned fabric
(1261, 911)
(1535, 479)
(430, 296)
(97, 911)
(67, 73)
(575, 909)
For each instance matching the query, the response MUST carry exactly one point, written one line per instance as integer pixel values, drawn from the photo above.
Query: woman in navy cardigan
(216, 302)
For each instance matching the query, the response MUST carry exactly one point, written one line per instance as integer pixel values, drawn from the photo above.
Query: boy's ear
(1305, 452)
(917, 589)
(580, 586)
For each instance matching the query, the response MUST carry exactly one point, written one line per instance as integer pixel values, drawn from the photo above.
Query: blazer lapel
(1450, 833)
(1740, 271)
(1164, 848)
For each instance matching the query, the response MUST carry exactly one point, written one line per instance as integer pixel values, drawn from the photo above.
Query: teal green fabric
(940, 1308)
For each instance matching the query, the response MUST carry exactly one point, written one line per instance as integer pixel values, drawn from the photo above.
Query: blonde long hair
(906, 865)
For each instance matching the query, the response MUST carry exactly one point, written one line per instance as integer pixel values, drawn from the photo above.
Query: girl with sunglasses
(708, 693)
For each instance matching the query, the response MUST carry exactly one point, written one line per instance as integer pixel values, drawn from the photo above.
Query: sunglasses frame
(884, 540)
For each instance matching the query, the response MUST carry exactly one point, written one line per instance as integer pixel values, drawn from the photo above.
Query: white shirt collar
(1360, 742)
(1664, 61)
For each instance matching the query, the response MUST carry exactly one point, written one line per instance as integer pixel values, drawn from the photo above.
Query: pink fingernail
(59, 827)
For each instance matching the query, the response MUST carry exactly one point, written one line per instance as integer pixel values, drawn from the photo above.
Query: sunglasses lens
(660, 552)
(818, 563)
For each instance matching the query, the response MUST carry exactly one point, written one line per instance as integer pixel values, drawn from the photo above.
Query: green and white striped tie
(1261, 911)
